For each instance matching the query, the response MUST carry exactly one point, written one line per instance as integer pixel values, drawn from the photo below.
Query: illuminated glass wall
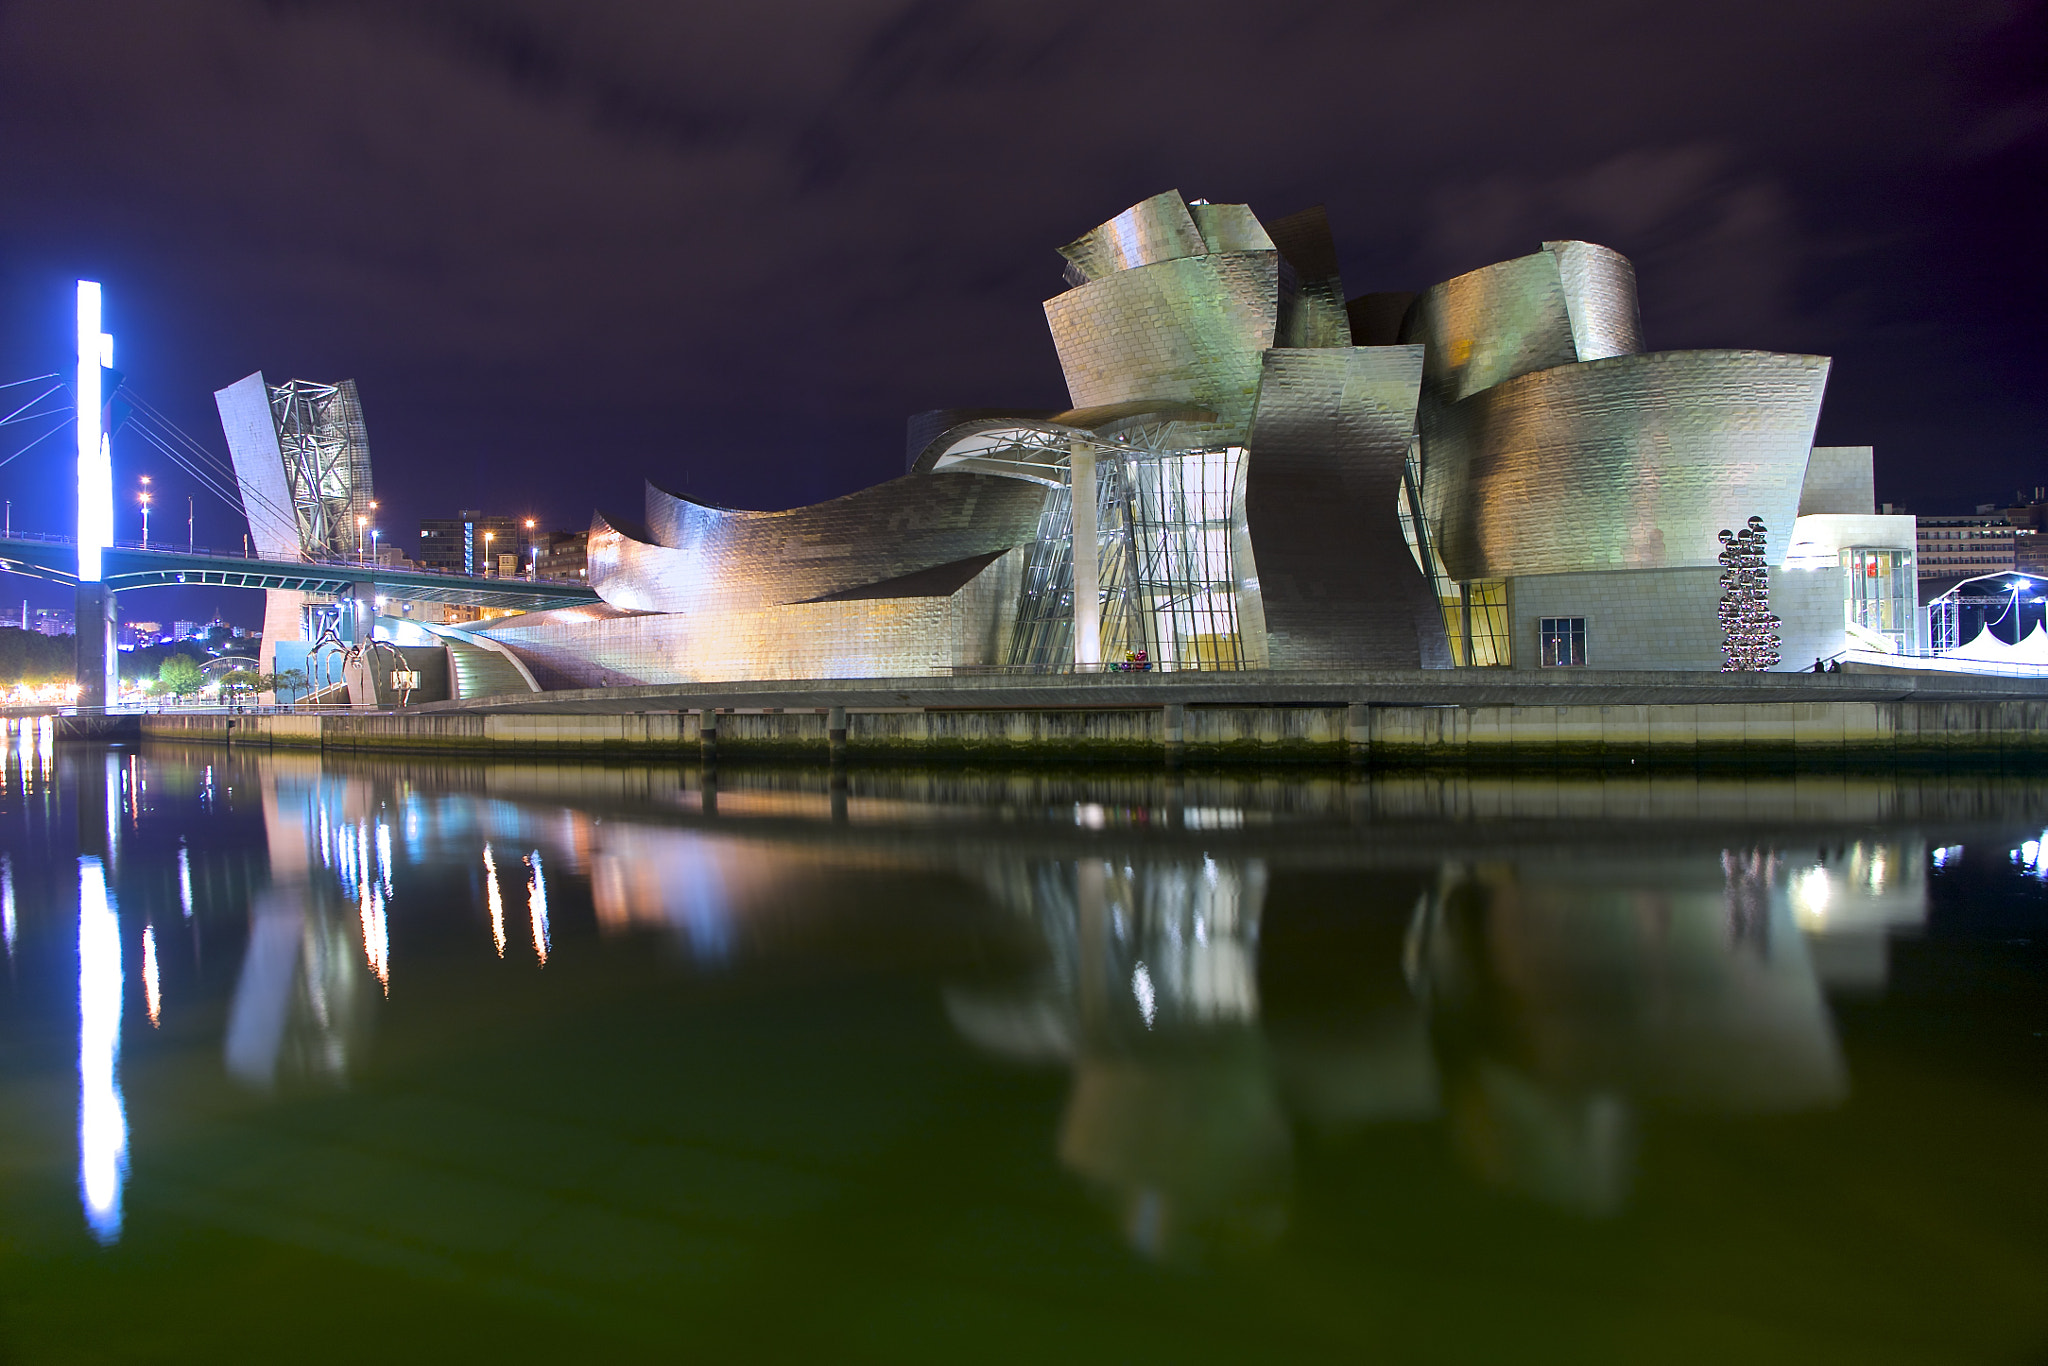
(1882, 594)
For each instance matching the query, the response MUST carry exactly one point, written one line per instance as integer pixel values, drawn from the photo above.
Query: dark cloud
(729, 247)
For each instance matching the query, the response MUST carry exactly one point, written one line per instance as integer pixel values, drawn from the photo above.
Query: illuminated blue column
(96, 658)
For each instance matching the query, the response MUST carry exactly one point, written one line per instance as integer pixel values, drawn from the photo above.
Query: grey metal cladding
(1189, 330)
(1230, 227)
(1492, 324)
(1152, 230)
(1633, 462)
(251, 431)
(1600, 297)
(708, 560)
(905, 633)
(1314, 315)
(1305, 240)
(1840, 479)
(1323, 469)
(1376, 319)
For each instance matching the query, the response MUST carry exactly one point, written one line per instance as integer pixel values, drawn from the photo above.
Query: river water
(313, 1059)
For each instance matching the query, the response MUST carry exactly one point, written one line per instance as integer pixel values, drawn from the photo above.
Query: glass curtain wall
(1475, 612)
(1043, 641)
(1882, 594)
(1181, 510)
(1168, 578)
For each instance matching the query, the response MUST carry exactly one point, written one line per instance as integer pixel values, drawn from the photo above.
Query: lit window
(1561, 641)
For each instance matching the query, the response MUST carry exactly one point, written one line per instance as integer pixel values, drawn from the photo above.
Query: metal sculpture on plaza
(1749, 631)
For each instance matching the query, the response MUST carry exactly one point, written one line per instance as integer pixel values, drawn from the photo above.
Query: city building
(562, 555)
(471, 543)
(1256, 472)
(54, 621)
(1961, 547)
(184, 630)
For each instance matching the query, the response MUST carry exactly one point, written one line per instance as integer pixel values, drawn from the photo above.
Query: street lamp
(489, 536)
(145, 512)
(361, 522)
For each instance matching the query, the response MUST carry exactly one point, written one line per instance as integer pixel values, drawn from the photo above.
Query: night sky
(730, 247)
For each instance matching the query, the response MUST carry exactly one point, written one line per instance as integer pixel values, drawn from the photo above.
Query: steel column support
(97, 660)
(1087, 561)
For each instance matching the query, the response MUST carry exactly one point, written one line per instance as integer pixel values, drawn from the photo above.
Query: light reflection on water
(1219, 975)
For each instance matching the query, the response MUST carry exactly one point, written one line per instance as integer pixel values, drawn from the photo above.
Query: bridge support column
(97, 660)
(362, 613)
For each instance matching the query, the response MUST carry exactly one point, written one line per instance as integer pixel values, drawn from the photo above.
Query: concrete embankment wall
(2003, 733)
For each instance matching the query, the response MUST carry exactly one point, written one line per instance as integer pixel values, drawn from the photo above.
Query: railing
(338, 561)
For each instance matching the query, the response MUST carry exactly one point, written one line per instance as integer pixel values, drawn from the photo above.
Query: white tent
(2032, 650)
(1988, 649)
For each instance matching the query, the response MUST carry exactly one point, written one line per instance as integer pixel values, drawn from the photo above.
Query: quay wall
(2004, 733)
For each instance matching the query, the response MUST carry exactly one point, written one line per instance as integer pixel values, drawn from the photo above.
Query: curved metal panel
(1189, 330)
(718, 560)
(1337, 582)
(1600, 298)
(1634, 462)
(1230, 227)
(906, 634)
(251, 430)
(1150, 231)
(1490, 325)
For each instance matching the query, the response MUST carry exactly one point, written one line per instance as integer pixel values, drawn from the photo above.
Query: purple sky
(730, 247)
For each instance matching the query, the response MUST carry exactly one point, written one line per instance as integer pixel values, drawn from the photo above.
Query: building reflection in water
(1534, 1006)
(1150, 994)
(1534, 1009)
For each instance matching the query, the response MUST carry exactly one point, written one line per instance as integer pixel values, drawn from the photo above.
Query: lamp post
(489, 536)
(145, 511)
(191, 541)
(532, 552)
(361, 522)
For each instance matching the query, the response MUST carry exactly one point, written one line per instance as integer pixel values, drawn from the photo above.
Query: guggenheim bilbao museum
(1259, 473)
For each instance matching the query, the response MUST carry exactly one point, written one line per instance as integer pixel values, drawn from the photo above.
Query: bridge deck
(125, 567)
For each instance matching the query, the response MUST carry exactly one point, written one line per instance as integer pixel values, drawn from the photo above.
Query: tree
(236, 681)
(179, 675)
(290, 682)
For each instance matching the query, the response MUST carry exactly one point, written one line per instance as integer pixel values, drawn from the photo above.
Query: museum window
(1561, 642)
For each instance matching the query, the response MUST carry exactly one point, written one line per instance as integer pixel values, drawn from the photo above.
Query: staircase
(478, 672)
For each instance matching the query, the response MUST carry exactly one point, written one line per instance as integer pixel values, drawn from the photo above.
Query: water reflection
(1150, 994)
(1216, 972)
(1544, 1001)
(302, 1001)
(102, 1118)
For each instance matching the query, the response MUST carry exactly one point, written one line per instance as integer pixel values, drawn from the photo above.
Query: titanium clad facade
(1336, 581)
(1839, 479)
(1490, 325)
(251, 431)
(1504, 478)
(1635, 462)
(935, 633)
(1230, 227)
(709, 559)
(1153, 230)
(1188, 330)
(1312, 311)
(1599, 288)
